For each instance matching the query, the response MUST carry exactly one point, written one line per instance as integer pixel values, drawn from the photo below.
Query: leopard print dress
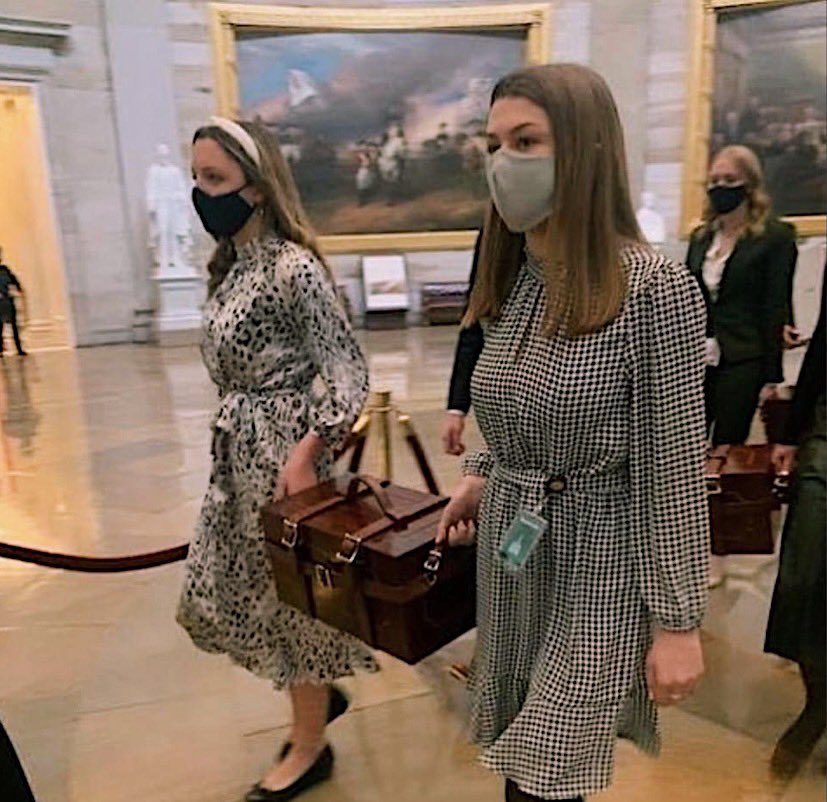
(271, 329)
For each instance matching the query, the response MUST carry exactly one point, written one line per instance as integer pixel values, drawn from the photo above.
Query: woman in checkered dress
(589, 393)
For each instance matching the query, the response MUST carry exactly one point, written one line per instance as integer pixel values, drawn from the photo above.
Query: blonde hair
(759, 205)
(591, 216)
(281, 208)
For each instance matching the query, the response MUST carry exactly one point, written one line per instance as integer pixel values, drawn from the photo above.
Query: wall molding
(29, 48)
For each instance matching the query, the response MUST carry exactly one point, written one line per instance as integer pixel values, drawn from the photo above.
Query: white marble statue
(168, 204)
(651, 221)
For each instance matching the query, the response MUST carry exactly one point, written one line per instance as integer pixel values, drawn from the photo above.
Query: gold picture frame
(705, 15)
(533, 20)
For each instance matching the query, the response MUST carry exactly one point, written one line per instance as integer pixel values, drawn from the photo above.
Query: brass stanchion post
(379, 405)
(377, 417)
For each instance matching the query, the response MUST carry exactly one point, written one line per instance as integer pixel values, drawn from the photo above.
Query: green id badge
(521, 538)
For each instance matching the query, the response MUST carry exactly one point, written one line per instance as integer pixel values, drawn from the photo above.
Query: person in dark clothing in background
(796, 628)
(14, 787)
(8, 309)
(744, 259)
(469, 347)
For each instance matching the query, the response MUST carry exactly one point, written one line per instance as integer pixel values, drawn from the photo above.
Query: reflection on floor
(105, 452)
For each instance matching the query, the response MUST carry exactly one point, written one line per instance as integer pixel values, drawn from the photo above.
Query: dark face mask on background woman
(222, 215)
(725, 199)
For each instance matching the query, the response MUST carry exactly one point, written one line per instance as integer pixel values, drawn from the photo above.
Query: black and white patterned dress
(272, 327)
(619, 416)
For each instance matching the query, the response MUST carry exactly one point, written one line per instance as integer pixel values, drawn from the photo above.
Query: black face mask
(726, 199)
(222, 215)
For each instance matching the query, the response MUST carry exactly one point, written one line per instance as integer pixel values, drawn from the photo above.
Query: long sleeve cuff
(331, 425)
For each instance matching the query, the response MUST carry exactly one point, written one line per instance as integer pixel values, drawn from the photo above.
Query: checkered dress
(618, 415)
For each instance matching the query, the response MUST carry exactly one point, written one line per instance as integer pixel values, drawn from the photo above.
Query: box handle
(379, 493)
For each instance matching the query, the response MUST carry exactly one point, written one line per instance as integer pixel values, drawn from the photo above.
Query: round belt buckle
(557, 484)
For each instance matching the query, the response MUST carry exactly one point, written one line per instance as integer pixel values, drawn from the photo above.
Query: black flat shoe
(318, 773)
(337, 706)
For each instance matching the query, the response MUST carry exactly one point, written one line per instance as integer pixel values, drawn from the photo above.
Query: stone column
(620, 53)
(669, 58)
(141, 61)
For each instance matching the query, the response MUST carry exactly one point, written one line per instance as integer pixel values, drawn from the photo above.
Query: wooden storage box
(359, 555)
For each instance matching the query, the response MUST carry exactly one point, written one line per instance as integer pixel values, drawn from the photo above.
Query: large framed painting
(759, 78)
(380, 112)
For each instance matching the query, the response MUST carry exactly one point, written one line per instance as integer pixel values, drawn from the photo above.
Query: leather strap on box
(395, 594)
(715, 461)
(353, 542)
(293, 522)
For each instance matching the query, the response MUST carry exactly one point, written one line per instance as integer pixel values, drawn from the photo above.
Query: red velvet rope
(94, 565)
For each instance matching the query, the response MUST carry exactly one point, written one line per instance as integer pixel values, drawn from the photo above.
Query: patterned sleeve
(327, 335)
(670, 519)
(477, 463)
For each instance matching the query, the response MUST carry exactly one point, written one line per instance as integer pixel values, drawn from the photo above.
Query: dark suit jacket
(469, 348)
(812, 380)
(754, 298)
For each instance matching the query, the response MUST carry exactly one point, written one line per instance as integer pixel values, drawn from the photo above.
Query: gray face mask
(522, 188)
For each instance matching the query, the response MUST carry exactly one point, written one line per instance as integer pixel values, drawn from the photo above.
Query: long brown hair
(759, 205)
(281, 209)
(591, 216)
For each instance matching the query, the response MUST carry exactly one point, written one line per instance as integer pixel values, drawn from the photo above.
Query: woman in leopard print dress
(272, 325)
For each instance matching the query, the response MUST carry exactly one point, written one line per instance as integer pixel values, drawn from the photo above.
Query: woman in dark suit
(743, 259)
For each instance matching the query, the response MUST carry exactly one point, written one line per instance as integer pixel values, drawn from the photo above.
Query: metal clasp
(350, 549)
(713, 485)
(324, 576)
(557, 484)
(291, 537)
(433, 561)
(781, 488)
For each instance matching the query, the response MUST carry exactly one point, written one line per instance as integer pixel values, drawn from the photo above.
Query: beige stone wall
(84, 170)
(665, 105)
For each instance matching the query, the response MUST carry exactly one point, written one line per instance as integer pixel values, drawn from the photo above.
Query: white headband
(248, 144)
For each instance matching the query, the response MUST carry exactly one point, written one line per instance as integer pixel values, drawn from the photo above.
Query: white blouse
(713, 271)
(714, 264)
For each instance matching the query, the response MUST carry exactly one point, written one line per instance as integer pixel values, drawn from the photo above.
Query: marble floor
(105, 451)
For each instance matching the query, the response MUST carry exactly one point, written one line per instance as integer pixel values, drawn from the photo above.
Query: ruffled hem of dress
(553, 768)
(282, 673)
(365, 663)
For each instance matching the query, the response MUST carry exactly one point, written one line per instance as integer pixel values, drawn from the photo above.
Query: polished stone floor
(105, 451)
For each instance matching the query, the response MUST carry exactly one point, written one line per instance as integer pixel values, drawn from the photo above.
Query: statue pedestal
(178, 316)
